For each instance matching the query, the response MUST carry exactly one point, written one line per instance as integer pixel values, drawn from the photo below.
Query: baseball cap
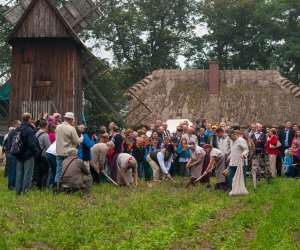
(231, 131)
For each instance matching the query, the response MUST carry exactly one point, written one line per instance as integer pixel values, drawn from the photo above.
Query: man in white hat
(66, 139)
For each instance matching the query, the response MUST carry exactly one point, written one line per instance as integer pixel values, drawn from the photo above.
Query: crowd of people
(53, 153)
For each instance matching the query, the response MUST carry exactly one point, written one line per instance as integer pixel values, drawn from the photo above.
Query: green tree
(238, 35)
(5, 50)
(144, 35)
(286, 15)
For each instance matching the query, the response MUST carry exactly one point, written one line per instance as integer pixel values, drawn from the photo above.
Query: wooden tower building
(46, 73)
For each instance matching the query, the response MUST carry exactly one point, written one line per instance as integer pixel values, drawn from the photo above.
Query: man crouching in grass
(160, 162)
(126, 167)
(75, 175)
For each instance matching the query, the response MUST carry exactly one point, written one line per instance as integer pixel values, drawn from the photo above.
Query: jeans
(59, 161)
(278, 164)
(11, 171)
(24, 172)
(231, 173)
(51, 159)
(173, 169)
(291, 171)
(140, 170)
(148, 171)
(182, 171)
(42, 172)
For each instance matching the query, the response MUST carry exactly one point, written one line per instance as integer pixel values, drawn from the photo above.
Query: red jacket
(273, 140)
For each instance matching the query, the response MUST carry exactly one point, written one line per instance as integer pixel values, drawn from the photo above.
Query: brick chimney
(214, 73)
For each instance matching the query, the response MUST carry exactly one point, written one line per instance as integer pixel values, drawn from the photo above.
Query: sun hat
(69, 115)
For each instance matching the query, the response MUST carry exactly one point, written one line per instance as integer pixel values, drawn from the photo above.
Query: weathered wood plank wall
(47, 65)
(46, 70)
(41, 22)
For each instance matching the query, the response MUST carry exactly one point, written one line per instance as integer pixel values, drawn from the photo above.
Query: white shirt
(52, 149)
(165, 166)
(66, 137)
(216, 153)
(149, 133)
(257, 135)
(238, 148)
(224, 145)
(190, 138)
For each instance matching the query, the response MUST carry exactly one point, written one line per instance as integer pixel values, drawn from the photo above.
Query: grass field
(161, 217)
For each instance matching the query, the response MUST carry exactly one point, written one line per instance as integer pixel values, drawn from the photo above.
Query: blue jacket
(208, 133)
(183, 153)
(288, 161)
(88, 143)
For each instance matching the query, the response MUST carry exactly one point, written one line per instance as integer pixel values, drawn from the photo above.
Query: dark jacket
(260, 142)
(7, 143)
(138, 153)
(281, 137)
(214, 141)
(118, 141)
(202, 140)
(29, 141)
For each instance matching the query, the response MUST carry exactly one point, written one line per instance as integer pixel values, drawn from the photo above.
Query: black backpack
(17, 145)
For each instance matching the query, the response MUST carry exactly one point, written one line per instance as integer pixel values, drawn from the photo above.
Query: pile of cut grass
(162, 217)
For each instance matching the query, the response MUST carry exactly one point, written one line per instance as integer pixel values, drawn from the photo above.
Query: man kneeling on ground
(75, 175)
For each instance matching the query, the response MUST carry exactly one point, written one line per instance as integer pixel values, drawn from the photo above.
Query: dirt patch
(38, 245)
(183, 244)
(267, 207)
(207, 226)
(296, 237)
(250, 235)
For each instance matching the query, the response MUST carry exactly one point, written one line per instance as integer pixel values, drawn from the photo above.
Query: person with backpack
(12, 162)
(24, 148)
(42, 166)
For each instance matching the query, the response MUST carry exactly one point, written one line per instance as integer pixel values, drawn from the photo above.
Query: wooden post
(214, 77)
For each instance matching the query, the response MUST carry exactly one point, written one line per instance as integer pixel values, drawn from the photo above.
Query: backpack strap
(68, 167)
(42, 149)
(40, 135)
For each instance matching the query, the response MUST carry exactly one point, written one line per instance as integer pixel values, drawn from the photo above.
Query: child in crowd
(288, 161)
